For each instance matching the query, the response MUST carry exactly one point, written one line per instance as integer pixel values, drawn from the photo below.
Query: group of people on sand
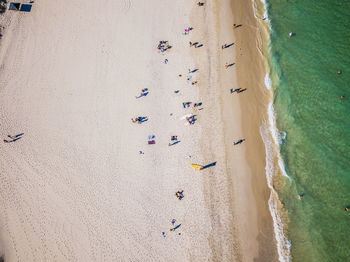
(163, 46)
(191, 119)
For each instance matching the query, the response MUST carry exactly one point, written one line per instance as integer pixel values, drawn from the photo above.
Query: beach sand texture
(74, 187)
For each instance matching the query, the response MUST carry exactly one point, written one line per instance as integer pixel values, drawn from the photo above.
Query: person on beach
(191, 119)
(139, 119)
(236, 90)
(200, 4)
(241, 90)
(186, 104)
(174, 141)
(144, 92)
(173, 229)
(194, 83)
(179, 194)
(197, 104)
(192, 71)
(238, 142)
(187, 30)
(227, 45)
(227, 65)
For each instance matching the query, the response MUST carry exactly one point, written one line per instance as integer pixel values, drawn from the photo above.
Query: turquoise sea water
(316, 149)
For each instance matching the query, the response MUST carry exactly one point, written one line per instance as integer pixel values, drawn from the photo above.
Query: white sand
(75, 187)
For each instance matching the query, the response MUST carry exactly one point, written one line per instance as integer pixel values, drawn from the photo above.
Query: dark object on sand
(173, 229)
(3, 6)
(180, 194)
(200, 4)
(25, 8)
(241, 90)
(238, 142)
(139, 119)
(14, 138)
(14, 6)
(227, 45)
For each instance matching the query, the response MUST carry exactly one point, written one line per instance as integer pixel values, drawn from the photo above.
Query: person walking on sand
(226, 65)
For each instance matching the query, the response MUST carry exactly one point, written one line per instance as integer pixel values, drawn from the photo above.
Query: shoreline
(249, 197)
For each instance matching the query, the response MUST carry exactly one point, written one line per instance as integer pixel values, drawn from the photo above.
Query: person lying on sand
(139, 119)
(144, 92)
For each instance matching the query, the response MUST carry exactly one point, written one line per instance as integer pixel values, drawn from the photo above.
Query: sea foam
(267, 81)
(272, 140)
(283, 245)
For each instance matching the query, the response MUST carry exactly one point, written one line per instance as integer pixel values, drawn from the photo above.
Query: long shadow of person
(209, 165)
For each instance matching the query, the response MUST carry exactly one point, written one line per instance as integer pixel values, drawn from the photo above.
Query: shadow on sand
(212, 164)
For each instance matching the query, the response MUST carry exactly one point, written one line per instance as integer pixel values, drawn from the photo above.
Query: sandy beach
(75, 186)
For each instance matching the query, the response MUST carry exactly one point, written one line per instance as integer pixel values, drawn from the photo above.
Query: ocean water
(313, 124)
